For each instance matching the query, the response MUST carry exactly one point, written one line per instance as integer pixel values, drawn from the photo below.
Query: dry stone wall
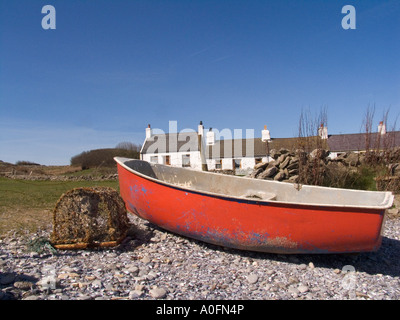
(314, 167)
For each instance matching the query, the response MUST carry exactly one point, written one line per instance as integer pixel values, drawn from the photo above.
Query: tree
(128, 146)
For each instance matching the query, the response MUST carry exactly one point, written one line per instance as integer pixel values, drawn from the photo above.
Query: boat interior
(256, 189)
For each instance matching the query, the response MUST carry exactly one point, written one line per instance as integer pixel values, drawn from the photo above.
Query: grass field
(28, 205)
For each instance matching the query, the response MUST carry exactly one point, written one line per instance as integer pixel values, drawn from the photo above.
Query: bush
(101, 157)
(26, 163)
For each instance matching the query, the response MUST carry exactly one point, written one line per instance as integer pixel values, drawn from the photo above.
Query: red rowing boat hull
(251, 225)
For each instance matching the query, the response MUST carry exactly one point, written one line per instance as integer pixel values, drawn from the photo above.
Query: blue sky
(111, 67)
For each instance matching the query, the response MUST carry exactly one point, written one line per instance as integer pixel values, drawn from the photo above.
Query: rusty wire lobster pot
(89, 218)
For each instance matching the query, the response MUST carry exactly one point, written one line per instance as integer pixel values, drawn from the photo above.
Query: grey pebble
(302, 288)
(23, 285)
(32, 297)
(158, 293)
(253, 278)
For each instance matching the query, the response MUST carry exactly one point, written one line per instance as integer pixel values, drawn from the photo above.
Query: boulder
(281, 175)
(284, 163)
(261, 165)
(268, 173)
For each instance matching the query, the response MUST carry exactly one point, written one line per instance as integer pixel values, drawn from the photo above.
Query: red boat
(253, 214)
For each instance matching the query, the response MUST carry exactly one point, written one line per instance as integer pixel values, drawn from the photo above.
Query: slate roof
(237, 148)
(171, 142)
(359, 141)
(255, 147)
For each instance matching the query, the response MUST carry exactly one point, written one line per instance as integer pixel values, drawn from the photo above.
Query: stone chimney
(210, 137)
(381, 128)
(149, 132)
(200, 130)
(323, 132)
(265, 136)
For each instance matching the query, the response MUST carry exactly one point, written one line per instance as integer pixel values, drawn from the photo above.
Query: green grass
(27, 205)
(40, 194)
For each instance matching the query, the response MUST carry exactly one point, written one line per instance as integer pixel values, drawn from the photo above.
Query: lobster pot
(89, 217)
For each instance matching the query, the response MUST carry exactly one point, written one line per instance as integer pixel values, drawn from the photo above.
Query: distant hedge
(101, 157)
(26, 163)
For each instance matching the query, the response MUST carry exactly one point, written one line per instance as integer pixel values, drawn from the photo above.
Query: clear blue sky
(111, 67)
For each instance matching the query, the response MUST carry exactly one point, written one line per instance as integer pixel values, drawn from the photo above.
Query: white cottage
(195, 149)
(175, 149)
(192, 149)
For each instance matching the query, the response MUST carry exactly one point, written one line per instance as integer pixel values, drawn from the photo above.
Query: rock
(134, 294)
(294, 164)
(73, 275)
(31, 297)
(293, 279)
(261, 165)
(294, 178)
(280, 176)
(256, 172)
(302, 288)
(252, 278)
(303, 266)
(268, 173)
(133, 270)
(293, 290)
(151, 275)
(284, 163)
(319, 153)
(97, 284)
(23, 285)
(158, 293)
(362, 295)
(280, 159)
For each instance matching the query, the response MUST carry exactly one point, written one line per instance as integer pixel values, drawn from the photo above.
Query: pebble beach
(153, 264)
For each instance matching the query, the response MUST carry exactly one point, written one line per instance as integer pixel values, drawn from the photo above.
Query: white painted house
(192, 149)
(174, 149)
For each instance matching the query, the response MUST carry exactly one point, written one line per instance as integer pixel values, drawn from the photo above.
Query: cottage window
(167, 160)
(154, 159)
(237, 164)
(218, 164)
(186, 160)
